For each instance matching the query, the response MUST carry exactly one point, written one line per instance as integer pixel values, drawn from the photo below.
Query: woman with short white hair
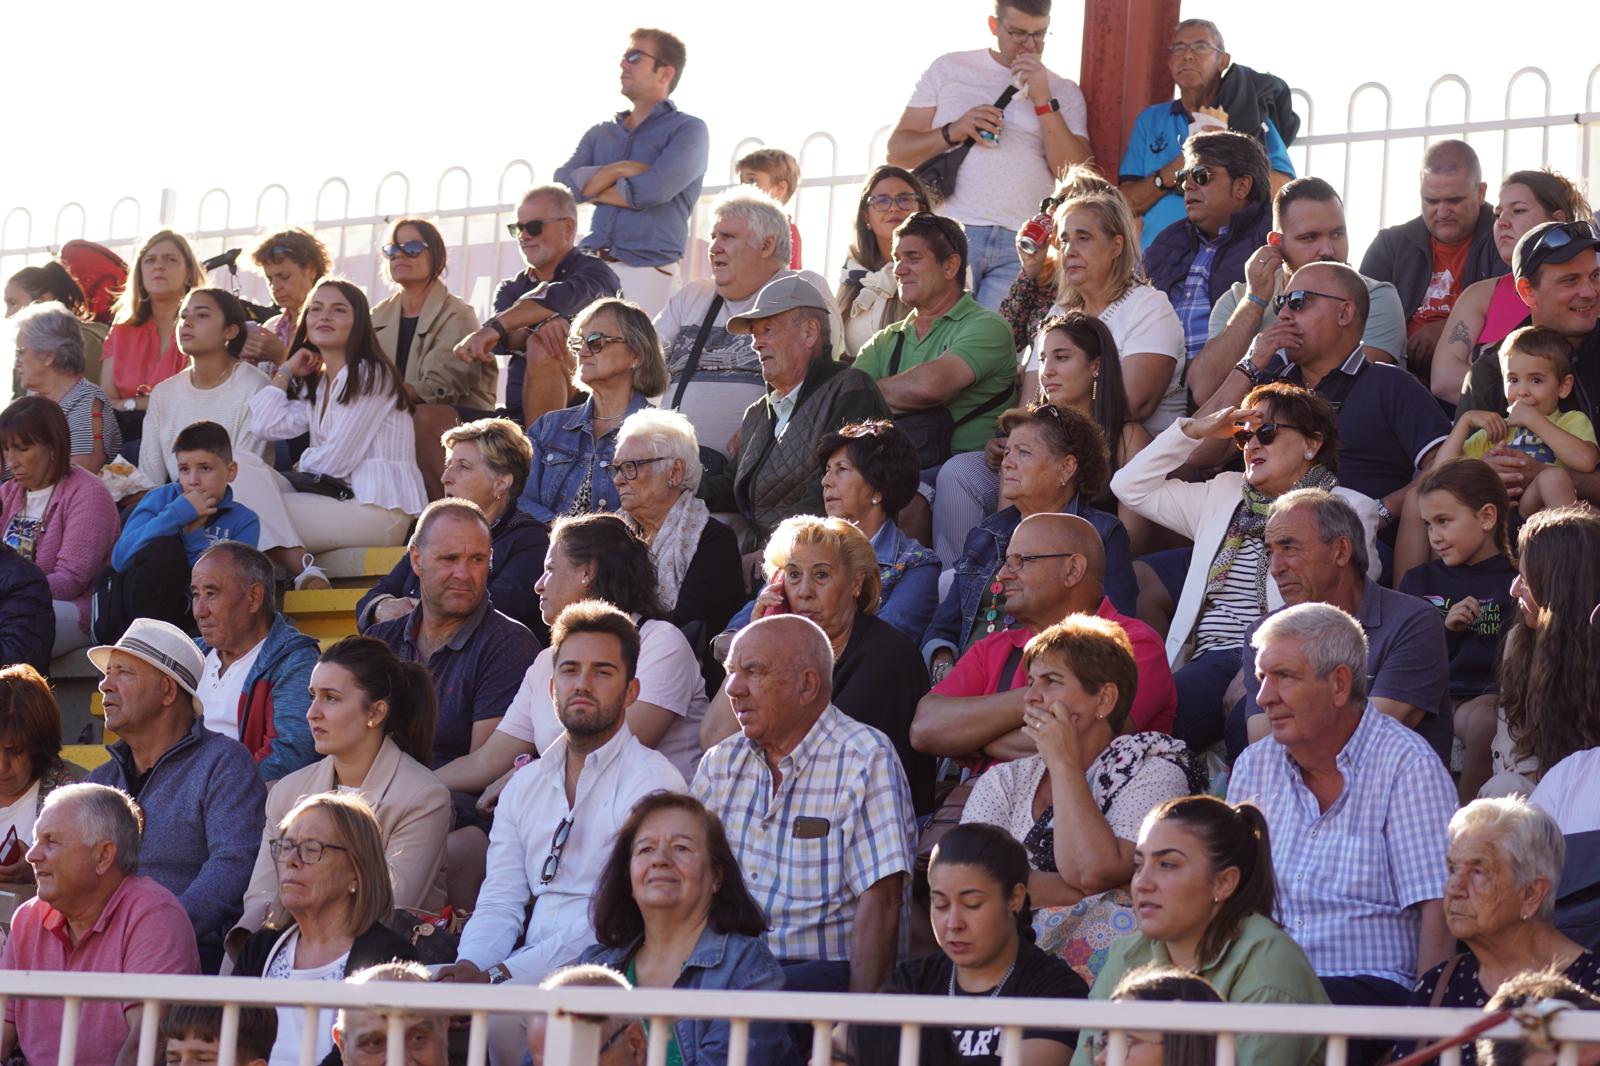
(50, 363)
(656, 469)
(1504, 864)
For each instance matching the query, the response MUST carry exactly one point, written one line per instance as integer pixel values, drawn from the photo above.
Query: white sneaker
(312, 577)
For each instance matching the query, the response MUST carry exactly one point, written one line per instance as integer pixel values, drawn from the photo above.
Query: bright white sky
(112, 99)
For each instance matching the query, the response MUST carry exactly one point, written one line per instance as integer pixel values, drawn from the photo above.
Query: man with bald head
(1053, 568)
(1436, 255)
(817, 810)
(1390, 425)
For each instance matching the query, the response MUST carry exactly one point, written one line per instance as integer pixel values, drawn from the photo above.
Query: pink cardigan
(80, 528)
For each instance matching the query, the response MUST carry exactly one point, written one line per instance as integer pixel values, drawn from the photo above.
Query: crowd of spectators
(1123, 597)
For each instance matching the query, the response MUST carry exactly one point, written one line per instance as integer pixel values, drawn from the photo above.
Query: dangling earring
(1094, 388)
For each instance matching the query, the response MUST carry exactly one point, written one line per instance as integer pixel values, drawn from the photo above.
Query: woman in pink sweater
(55, 513)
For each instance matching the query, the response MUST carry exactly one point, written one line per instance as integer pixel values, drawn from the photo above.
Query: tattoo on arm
(1461, 335)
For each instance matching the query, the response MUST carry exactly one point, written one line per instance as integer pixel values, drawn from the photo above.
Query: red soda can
(1036, 232)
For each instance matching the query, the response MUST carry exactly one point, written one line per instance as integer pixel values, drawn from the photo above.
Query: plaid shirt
(1194, 306)
(1350, 878)
(844, 774)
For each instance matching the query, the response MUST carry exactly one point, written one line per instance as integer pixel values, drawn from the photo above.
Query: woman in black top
(978, 882)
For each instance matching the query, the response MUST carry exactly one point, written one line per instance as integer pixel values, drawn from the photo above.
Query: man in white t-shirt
(749, 247)
(1042, 130)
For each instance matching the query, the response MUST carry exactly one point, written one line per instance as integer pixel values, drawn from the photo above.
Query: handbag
(932, 431)
(320, 485)
(938, 175)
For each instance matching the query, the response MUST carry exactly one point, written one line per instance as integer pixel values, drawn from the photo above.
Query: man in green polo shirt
(956, 353)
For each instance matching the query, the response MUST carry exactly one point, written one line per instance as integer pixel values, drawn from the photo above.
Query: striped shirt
(1227, 615)
(79, 407)
(839, 822)
(1350, 878)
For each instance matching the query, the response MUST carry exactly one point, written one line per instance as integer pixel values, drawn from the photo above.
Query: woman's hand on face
(994, 453)
(303, 362)
(1220, 425)
(1051, 731)
(772, 599)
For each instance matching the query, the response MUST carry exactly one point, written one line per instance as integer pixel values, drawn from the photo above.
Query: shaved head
(796, 642)
(1336, 278)
(1064, 533)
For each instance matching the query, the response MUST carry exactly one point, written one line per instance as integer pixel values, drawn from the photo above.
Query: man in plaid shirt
(816, 807)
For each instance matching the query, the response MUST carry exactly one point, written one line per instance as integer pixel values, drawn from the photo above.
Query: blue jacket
(204, 808)
(1169, 255)
(27, 621)
(564, 453)
(164, 512)
(274, 700)
(981, 556)
(728, 961)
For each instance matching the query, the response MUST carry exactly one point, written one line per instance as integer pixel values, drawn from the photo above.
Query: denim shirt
(564, 453)
(985, 547)
(903, 565)
(653, 229)
(728, 961)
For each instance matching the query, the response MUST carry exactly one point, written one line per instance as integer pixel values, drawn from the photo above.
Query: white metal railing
(575, 1015)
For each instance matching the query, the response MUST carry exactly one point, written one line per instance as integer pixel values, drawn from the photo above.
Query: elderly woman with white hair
(656, 470)
(50, 363)
(1504, 865)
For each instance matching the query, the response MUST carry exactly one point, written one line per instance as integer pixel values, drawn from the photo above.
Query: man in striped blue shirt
(817, 810)
(1357, 805)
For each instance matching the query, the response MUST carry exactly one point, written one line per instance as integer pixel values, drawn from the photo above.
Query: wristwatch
(129, 404)
(1385, 516)
(1046, 108)
(1161, 183)
(499, 328)
(498, 974)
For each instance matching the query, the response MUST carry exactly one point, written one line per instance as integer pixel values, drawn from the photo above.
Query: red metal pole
(1124, 69)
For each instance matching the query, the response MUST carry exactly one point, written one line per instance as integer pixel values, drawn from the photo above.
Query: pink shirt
(977, 673)
(139, 358)
(143, 929)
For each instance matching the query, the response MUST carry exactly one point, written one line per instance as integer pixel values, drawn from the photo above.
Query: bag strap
(999, 399)
(1448, 972)
(694, 353)
(1008, 672)
(894, 360)
(1005, 97)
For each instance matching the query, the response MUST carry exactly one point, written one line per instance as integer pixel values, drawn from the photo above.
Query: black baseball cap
(1551, 242)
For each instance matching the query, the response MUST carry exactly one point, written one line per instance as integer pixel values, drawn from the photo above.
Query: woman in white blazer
(1290, 440)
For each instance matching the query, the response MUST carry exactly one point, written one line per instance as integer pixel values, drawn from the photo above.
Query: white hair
(762, 214)
(1330, 637)
(105, 813)
(54, 332)
(1529, 841)
(666, 433)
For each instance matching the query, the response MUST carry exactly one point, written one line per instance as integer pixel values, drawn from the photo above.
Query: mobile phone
(11, 849)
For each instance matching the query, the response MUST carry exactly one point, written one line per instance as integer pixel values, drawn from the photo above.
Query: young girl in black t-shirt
(1463, 510)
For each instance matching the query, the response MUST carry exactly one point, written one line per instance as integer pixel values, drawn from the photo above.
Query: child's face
(1456, 531)
(204, 471)
(191, 1051)
(778, 190)
(1532, 380)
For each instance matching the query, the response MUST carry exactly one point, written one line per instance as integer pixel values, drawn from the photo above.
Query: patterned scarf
(675, 543)
(1250, 520)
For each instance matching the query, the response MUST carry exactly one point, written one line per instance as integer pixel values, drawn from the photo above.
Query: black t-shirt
(878, 680)
(1037, 975)
(402, 347)
(1474, 653)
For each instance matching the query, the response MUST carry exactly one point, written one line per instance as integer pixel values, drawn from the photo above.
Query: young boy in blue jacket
(169, 529)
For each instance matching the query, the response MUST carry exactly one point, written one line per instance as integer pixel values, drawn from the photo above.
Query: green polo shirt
(1262, 964)
(969, 330)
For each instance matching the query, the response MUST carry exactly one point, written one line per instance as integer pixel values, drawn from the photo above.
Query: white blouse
(176, 404)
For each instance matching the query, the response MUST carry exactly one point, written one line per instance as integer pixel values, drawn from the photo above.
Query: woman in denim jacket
(620, 365)
(672, 911)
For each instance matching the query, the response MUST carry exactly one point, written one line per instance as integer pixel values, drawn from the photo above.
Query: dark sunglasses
(595, 341)
(1200, 174)
(1296, 301)
(1266, 434)
(410, 249)
(532, 228)
(1562, 234)
(906, 201)
(558, 844)
(633, 55)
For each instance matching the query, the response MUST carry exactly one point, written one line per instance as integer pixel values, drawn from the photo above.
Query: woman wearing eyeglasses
(1290, 440)
(620, 365)
(420, 325)
(334, 893)
(371, 719)
(868, 296)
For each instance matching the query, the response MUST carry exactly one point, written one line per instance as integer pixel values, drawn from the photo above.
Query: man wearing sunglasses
(1557, 267)
(1018, 148)
(642, 169)
(534, 310)
(1308, 227)
(1436, 255)
(1227, 190)
(1213, 93)
(558, 816)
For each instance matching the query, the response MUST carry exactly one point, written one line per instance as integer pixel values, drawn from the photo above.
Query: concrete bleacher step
(330, 614)
(356, 564)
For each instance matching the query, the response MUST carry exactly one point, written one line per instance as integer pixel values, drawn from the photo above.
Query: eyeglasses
(1098, 1042)
(1015, 562)
(532, 228)
(410, 249)
(558, 844)
(1199, 49)
(1022, 36)
(1267, 433)
(1296, 301)
(309, 852)
(1200, 174)
(633, 55)
(629, 469)
(906, 201)
(594, 342)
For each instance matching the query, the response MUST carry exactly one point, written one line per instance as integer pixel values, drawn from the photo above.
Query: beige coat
(431, 368)
(413, 809)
